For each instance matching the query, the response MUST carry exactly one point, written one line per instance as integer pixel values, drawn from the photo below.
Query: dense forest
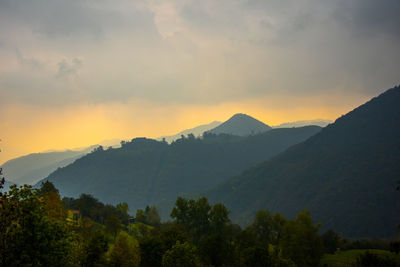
(149, 172)
(345, 175)
(40, 229)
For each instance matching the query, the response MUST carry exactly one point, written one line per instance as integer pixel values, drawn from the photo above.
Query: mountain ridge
(346, 174)
(146, 171)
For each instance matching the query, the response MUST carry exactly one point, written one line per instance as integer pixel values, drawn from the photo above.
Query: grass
(349, 257)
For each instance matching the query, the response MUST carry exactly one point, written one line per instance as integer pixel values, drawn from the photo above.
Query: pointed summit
(242, 125)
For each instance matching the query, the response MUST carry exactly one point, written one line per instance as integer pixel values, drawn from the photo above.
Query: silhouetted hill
(29, 169)
(346, 175)
(196, 131)
(145, 171)
(33, 167)
(241, 125)
(317, 122)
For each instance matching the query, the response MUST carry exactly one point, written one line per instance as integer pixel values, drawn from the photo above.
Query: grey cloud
(67, 68)
(370, 17)
(55, 18)
(31, 62)
(252, 48)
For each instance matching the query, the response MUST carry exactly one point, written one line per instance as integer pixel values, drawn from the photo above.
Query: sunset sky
(74, 73)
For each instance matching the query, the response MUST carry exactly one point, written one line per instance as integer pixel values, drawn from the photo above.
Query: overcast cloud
(64, 52)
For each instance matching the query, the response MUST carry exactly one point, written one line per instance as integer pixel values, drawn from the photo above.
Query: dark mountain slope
(346, 174)
(144, 171)
(242, 125)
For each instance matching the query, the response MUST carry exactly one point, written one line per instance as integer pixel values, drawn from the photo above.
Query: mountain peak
(241, 116)
(241, 124)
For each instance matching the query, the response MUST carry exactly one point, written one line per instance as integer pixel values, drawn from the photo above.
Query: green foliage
(94, 246)
(215, 250)
(161, 239)
(300, 241)
(124, 252)
(263, 227)
(200, 218)
(369, 259)
(255, 257)
(113, 225)
(350, 257)
(47, 187)
(331, 241)
(148, 216)
(201, 235)
(139, 230)
(181, 255)
(152, 250)
(29, 237)
(90, 207)
(219, 218)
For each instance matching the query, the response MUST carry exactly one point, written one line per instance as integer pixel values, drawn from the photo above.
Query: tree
(181, 211)
(263, 227)
(140, 216)
(194, 215)
(181, 255)
(331, 241)
(125, 251)
(54, 207)
(28, 236)
(47, 187)
(255, 257)
(300, 241)
(369, 259)
(113, 225)
(88, 206)
(152, 250)
(123, 209)
(219, 218)
(94, 246)
(148, 216)
(152, 216)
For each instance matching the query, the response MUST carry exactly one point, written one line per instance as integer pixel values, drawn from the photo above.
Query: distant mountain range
(145, 171)
(346, 175)
(31, 168)
(240, 125)
(196, 131)
(317, 122)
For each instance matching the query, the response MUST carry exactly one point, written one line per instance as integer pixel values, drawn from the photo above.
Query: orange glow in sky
(29, 129)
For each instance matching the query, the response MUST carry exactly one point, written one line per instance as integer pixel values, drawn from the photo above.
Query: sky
(74, 73)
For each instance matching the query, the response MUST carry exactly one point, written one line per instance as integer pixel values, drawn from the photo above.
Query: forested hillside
(346, 175)
(145, 172)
